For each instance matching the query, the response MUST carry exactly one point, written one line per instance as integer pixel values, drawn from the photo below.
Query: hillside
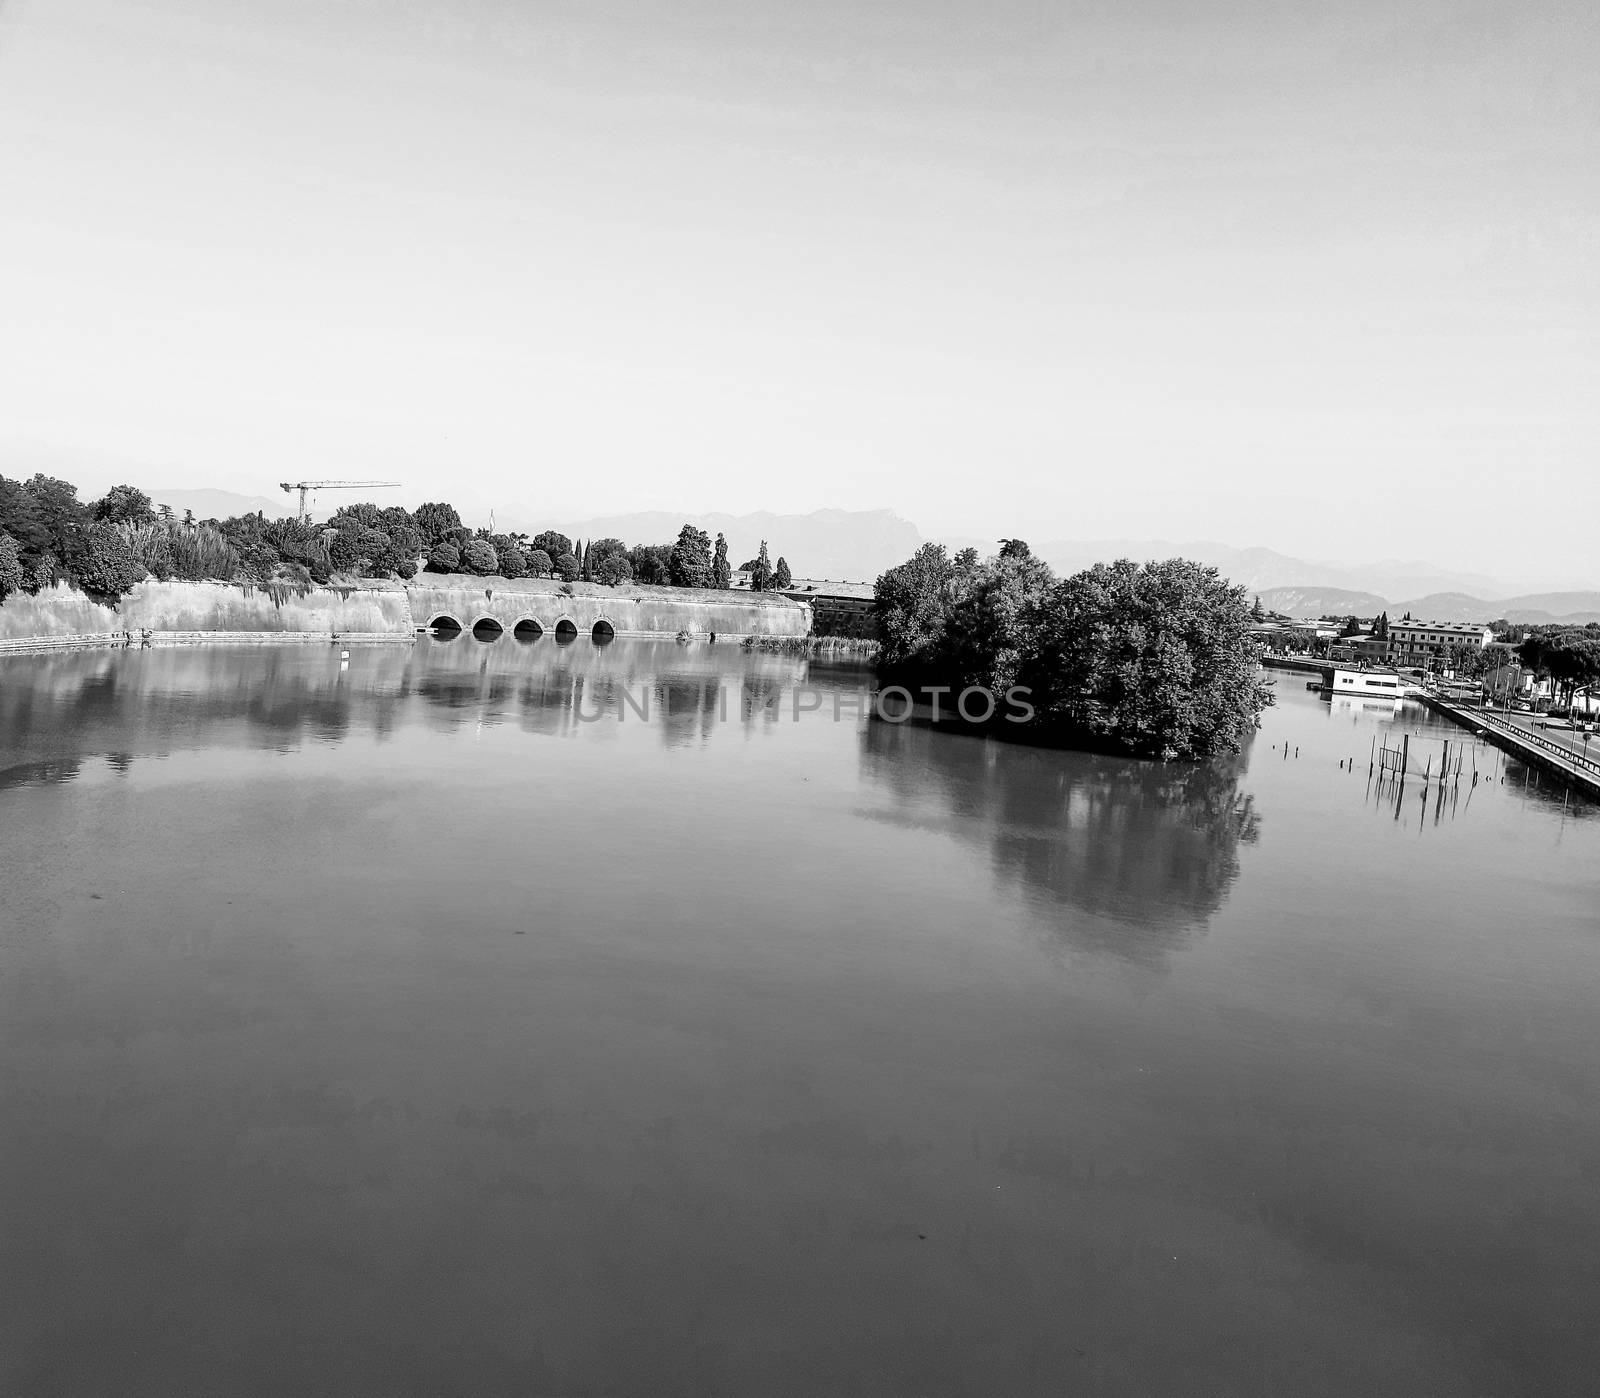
(1529, 609)
(1309, 602)
(224, 504)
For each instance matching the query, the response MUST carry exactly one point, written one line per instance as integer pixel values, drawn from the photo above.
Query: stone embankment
(175, 612)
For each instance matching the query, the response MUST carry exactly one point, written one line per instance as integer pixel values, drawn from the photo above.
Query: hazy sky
(1323, 276)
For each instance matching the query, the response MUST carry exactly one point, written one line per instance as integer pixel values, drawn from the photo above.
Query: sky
(1320, 277)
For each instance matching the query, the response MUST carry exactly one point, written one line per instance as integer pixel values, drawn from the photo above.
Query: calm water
(386, 1029)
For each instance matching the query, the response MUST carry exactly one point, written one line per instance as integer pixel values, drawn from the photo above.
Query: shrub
(479, 557)
(258, 561)
(200, 551)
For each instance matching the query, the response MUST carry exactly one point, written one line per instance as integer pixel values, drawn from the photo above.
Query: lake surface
(394, 1028)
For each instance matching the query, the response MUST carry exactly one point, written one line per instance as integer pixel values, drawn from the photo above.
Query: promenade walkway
(1559, 750)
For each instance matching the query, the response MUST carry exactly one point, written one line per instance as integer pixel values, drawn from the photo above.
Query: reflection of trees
(1137, 852)
(134, 704)
(56, 710)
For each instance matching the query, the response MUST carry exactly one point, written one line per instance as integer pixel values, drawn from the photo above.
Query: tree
(10, 566)
(1257, 612)
(1568, 656)
(911, 602)
(780, 575)
(355, 547)
(1380, 628)
(105, 567)
(62, 517)
(608, 562)
(479, 557)
(613, 568)
(1351, 627)
(651, 563)
(567, 566)
(513, 562)
(993, 622)
(552, 543)
(689, 564)
(21, 520)
(434, 521)
(1013, 548)
(539, 564)
(966, 560)
(444, 558)
(124, 502)
(761, 570)
(721, 573)
(1152, 658)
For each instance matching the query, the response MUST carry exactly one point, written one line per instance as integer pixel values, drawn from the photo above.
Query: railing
(1511, 730)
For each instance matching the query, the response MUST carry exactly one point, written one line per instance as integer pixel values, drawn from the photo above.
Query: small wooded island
(1151, 659)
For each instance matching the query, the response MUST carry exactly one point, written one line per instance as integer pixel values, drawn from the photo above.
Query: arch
(527, 630)
(603, 631)
(445, 627)
(566, 630)
(486, 628)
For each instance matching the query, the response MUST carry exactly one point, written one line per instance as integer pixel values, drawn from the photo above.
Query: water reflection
(55, 709)
(1133, 854)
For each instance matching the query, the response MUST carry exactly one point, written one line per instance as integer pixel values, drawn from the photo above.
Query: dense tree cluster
(1568, 656)
(1154, 659)
(105, 546)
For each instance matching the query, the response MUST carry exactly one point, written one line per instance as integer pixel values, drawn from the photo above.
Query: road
(1558, 733)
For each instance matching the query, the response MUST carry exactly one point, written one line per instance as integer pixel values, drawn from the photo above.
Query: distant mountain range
(224, 504)
(858, 545)
(1528, 609)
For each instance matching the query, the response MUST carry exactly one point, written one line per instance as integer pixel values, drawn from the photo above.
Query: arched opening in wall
(566, 631)
(603, 632)
(527, 630)
(445, 627)
(487, 629)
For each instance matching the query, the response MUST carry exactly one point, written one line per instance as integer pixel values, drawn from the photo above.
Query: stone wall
(375, 608)
(629, 610)
(197, 610)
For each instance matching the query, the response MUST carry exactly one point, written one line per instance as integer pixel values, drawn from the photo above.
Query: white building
(1414, 638)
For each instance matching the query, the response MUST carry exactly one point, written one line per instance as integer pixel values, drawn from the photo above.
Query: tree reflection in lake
(1135, 854)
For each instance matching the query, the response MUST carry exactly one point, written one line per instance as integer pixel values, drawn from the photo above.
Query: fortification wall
(629, 611)
(187, 607)
(196, 610)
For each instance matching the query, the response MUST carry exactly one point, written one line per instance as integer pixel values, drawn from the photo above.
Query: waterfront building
(837, 608)
(1412, 639)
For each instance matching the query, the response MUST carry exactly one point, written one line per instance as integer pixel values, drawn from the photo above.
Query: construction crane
(304, 486)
